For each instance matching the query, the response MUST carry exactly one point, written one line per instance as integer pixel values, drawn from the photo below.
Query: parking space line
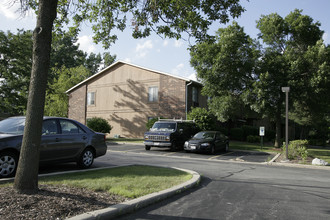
(211, 158)
(169, 153)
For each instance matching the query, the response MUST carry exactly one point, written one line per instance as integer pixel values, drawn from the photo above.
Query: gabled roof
(123, 62)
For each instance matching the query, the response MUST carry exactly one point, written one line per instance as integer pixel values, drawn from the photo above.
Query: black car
(207, 141)
(169, 133)
(62, 140)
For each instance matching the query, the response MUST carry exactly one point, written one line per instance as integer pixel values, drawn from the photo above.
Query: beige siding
(121, 97)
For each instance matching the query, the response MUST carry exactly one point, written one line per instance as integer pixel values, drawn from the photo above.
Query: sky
(169, 55)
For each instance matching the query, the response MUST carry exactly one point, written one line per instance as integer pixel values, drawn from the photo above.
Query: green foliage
(56, 99)
(166, 18)
(237, 134)
(297, 149)
(151, 122)
(238, 71)
(203, 118)
(15, 68)
(253, 139)
(99, 125)
(250, 130)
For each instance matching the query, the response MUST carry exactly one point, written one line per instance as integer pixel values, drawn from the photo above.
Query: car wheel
(147, 147)
(213, 150)
(86, 158)
(174, 146)
(8, 164)
(227, 147)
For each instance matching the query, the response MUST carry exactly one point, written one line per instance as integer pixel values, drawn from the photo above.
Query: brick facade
(77, 104)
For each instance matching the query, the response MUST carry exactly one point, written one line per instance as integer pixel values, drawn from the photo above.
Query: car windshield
(204, 135)
(12, 126)
(163, 127)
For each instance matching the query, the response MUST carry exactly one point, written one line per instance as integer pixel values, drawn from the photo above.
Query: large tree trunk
(26, 180)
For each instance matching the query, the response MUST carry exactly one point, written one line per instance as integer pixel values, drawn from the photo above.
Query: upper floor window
(153, 94)
(194, 94)
(91, 98)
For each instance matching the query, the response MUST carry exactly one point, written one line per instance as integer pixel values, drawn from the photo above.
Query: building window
(91, 98)
(194, 95)
(153, 94)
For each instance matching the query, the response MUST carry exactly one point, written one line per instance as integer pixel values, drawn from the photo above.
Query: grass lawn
(321, 153)
(129, 182)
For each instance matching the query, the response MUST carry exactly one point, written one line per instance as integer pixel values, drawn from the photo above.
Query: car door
(220, 141)
(50, 140)
(73, 139)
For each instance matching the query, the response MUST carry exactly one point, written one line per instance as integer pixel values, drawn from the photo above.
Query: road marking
(211, 158)
(169, 153)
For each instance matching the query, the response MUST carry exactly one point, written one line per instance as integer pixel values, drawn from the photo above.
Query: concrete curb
(288, 164)
(135, 204)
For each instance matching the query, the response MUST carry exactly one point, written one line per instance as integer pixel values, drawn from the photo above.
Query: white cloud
(11, 10)
(8, 9)
(86, 43)
(193, 76)
(178, 43)
(142, 49)
(165, 43)
(178, 69)
(325, 37)
(128, 60)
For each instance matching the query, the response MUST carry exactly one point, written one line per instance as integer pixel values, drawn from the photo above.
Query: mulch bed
(53, 202)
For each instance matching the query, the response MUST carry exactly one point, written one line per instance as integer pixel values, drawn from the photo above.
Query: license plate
(156, 143)
(193, 147)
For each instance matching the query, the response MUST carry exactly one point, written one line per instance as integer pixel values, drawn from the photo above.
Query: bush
(203, 118)
(237, 134)
(297, 149)
(250, 131)
(253, 139)
(99, 125)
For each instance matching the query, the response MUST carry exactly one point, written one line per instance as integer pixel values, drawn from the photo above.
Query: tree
(238, 71)
(15, 68)
(286, 41)
(16, 60)
(203, 118)
(168, 18)
(56, 98)
(226, 69)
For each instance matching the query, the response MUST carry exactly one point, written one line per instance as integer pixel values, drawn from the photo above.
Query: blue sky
(169, 55)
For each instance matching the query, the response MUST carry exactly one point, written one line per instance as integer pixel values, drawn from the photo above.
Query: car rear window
(12, 126)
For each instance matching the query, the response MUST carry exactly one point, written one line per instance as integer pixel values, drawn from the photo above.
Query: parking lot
(231, 155)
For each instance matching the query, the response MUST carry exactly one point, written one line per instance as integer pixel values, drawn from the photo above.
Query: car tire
(226, 147)
(174, 146)
(86, 158)
(147, 147)
(8, 164)
(213, 150)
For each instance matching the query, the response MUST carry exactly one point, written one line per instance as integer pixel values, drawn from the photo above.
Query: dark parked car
(207, 141)
(62, 140)
(169, 133)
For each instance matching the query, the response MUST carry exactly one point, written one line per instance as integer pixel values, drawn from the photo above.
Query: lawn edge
(135, 204)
